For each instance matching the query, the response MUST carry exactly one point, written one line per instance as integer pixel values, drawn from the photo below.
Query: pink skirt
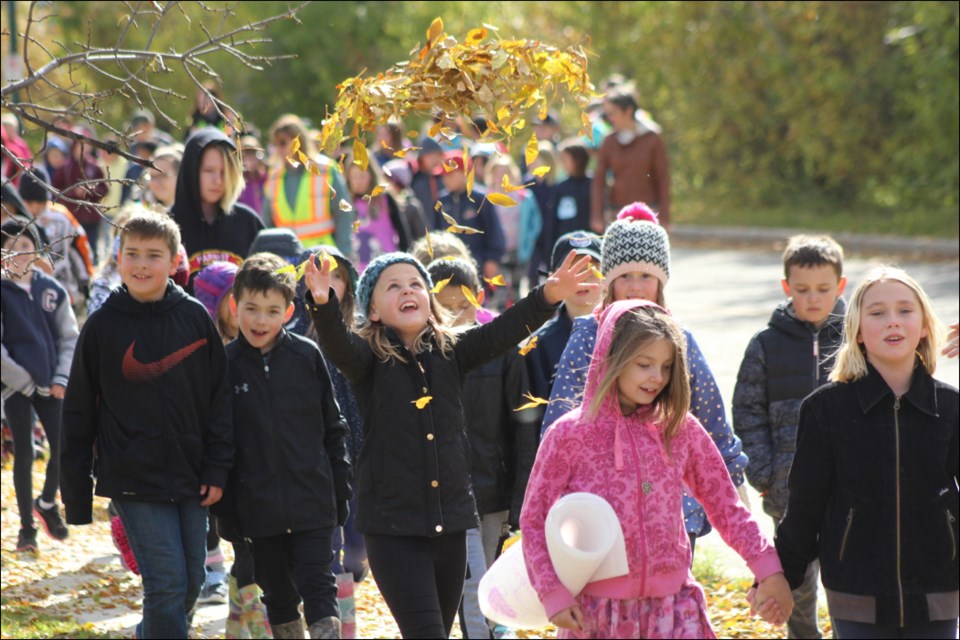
(682, 615)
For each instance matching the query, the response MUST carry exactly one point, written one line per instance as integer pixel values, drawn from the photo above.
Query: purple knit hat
(213, 284)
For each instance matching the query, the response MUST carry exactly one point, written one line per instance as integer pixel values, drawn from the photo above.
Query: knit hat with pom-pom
(636, 242)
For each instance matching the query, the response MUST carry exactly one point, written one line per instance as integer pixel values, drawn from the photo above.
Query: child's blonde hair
(439, 325)
(233, 182)
(634, 331)
(851, 362)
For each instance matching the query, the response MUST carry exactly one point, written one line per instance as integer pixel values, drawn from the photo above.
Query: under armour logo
(245, 388)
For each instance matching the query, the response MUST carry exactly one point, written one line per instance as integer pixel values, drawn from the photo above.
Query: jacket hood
(122, 301)
(188, 179)
(785, 319)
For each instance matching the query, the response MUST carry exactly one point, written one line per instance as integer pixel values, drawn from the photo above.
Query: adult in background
(635, 155)
(81, 182)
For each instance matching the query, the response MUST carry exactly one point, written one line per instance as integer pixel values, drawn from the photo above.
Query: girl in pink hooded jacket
(633, 443)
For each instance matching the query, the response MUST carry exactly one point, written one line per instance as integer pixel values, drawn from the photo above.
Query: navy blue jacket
(38, 332)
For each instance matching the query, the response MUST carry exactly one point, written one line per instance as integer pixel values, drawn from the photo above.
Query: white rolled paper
(586, 544)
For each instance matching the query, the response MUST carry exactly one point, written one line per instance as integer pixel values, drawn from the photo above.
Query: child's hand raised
(318, 279)
(568, 279)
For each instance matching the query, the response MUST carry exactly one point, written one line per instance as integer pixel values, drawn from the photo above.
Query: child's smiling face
(261, 315)
(646, 376)
(401, 301)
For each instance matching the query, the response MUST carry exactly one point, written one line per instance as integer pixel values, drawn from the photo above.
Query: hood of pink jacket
(608, 318)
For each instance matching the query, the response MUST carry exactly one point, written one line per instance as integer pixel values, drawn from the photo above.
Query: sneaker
(50, 519)
(214, 590)
(27, 540)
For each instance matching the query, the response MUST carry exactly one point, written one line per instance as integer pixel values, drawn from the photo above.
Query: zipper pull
(816, 347)
(896, 404)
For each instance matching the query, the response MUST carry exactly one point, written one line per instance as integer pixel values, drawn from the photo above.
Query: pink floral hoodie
(623, 459)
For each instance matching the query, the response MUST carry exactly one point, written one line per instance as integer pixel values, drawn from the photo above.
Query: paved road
(724, 297)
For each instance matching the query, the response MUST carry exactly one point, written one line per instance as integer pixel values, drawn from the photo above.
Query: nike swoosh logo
(136, 371)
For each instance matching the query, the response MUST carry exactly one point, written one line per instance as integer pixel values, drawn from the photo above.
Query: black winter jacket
(782, 365)
(413, 476)
(147, 410)
(873, 495)
(292, 465)
(503, 442)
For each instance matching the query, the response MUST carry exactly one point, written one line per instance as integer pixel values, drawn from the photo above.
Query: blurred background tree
(842, 115)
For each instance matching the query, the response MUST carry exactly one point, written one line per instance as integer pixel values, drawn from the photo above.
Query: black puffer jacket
(292, 464)
(873, 495)
(503, 442)
(413, 476)
(782, 365)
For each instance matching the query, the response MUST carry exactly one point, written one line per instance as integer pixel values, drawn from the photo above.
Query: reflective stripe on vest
(310, 219)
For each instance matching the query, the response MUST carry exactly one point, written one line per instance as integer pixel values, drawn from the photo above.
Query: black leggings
(421, 579)
(20, 417)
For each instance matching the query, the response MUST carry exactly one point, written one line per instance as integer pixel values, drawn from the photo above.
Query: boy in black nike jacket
(290, 486)
(147, 413)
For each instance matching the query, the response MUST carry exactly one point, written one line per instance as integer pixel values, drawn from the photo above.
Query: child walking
(781, 366)
(38, 334)
(635, 262)
(147, 413)
(873, 487)
(291, 482)
(633, 443)
(413, 484)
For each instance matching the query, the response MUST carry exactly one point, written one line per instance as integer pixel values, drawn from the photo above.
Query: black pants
(242, 568)
(421, 580)
(20, 418)
(296, 566)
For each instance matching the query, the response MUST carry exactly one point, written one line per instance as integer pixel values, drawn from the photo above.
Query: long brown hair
(635, 331)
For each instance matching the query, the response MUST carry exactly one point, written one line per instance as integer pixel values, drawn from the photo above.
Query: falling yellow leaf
(422, 402)
(295, 146)
(377, 190)
(437, 288)
(596, 272)
(530, 346)
(435, 30)
(402, 153)
(541, 171)
(454, 226)
(329, 258)
(470, 178)
(385, 146)
(413, 134)
(501, 200)
(587, 125)
(287, 269)
(356, 225)
(360, 157)
(438, 206)
(345, 206)
(429, 244)
(532, 150)
(534, 402)
(470, 296)
(496, 281)
(509, 188)
(435, 129)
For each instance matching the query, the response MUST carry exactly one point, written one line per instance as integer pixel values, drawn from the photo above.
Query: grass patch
(817, 213)
(24, 621)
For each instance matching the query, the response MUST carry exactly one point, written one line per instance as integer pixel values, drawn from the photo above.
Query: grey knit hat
(370, 276)
(636, 242)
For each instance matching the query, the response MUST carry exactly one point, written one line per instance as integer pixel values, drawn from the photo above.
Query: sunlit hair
(439, 327)
(292, 126)
(444, 245)
(812, 251)
(851, 362)
(608, 298)
(232, 174)
(634, 332)
(148, 225)
(262, 273)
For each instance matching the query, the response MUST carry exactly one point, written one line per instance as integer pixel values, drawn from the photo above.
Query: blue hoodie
(705, 403)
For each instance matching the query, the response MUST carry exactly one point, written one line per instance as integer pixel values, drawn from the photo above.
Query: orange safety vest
(310, 217)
